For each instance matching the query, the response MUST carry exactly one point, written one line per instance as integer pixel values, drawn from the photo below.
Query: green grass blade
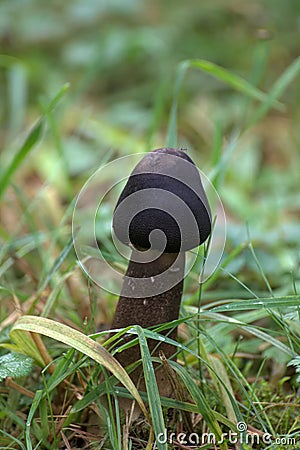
(17, 91)
(169, 403)
(240, 379)
(268, 338)
(34, 406)
(255, 331)
(219, 368)
(152, 389)
(80, 342)
(56, 265)
(235, 81)
(277, 90)
(203, 407)
(31, 140)
(272, 302)
(172, 128)
(14, 439)
(53, 103)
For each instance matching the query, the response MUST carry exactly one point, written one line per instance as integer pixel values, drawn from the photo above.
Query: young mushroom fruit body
(161, 214)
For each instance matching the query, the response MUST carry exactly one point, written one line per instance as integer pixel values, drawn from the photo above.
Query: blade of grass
(80, 342)
(219, 368)
(14, 439)
(17, 90)
(112, 425)
(218, 171)
(226, 76)
(52, 125)
(277, 90)
(272, 302)
(229, 258)
(225, 326)
(152, 389)
(254, 330)
(56, 265)
(235, 81)
(203, 407)
(53, 103)
(246, 388)
(158, 112)
(259, 266)
(172, 128)
(260, 57)
(165, 401)
(32, 139)
(154, 336)
(34, 406)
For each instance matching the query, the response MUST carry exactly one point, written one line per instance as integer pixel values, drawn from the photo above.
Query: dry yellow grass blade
(80, 342)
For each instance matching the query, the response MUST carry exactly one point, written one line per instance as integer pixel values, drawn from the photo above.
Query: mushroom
(161, 213)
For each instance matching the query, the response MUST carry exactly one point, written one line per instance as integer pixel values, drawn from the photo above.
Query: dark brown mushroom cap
(164, 192)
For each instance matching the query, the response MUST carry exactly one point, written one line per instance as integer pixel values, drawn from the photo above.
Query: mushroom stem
(149, 311)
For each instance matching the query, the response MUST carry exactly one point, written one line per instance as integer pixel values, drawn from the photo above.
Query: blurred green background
(121, 60)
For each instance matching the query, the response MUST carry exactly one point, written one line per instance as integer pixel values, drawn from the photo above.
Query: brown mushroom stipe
(150, 311)
(153, 284)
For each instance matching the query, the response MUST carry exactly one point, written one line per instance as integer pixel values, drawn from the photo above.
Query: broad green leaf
(15, 365)
(80, 342)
